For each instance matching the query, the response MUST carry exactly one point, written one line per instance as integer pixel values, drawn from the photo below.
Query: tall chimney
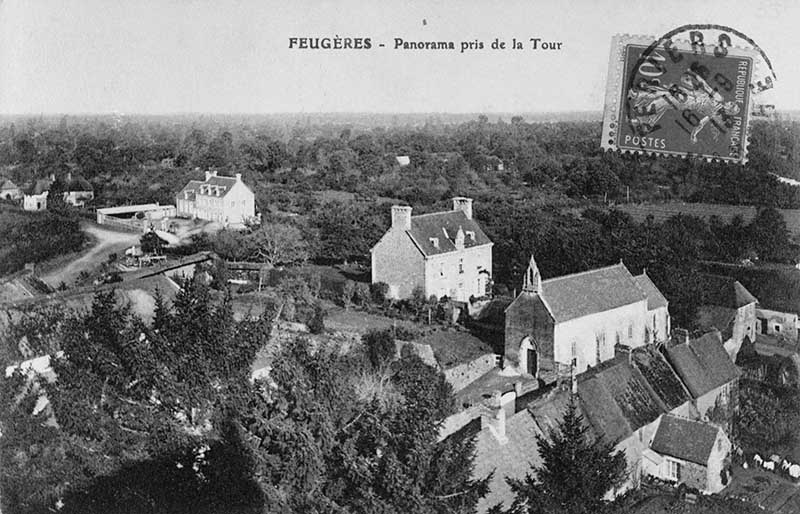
(208, 175)
(497, 419)
(401, 217)
(464, 204)
(238, 177)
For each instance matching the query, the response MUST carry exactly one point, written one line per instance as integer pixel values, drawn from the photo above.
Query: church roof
(703, 364)
(443, 227)
(685, 439)
(655, 299)
(589, 292)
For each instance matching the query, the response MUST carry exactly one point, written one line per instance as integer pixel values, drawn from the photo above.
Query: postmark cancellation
(673, 98)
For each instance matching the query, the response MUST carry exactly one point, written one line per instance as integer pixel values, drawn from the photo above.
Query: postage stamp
(675, 98)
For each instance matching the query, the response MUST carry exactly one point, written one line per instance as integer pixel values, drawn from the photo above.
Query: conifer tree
(577, 471)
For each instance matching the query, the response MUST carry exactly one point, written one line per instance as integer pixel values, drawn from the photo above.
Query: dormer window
(435, 242)
(471, 235)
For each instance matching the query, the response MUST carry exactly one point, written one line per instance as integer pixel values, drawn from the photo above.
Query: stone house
(776, 287)
(35, 196)
(9, 190)
(695, 453)
(730, 308)
(443, 253)
(218, 198)
(781, 325)
(577, 320)
(77, 190)
(709, 374)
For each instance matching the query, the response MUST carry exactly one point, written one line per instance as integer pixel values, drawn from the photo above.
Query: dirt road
(106, 241)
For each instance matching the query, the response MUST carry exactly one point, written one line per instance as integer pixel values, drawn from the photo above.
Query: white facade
(221, 199)
(591, 339)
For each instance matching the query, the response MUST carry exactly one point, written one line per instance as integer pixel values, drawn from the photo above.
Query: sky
(228, 56)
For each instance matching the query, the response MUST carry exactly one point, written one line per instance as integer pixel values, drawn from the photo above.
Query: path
(106, 241)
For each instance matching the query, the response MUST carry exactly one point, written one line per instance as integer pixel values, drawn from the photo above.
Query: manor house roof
(442, 228)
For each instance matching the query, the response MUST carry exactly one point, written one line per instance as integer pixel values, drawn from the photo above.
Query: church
(574, 322)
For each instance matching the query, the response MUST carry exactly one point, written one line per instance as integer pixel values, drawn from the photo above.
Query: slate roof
(685, 439)
(725, 292)
(39, 186)
(617, 400)
(655, 299)
(659, 375)
(703, 364)
(590, 292)
(191, 188)
(513, 459)
(777, 286)
(444, 227)
(620, 396)
(7, 184)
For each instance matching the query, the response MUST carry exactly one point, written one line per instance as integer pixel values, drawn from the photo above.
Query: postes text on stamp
(673, 98)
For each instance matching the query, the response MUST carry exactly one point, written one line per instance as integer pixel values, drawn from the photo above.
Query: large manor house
(217, 198)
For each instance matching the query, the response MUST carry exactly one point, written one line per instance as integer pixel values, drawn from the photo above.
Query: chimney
(679, 336)
(238, 177)
(401, 217)
(574, 376)
(497, 419)
(208, 175)
(464, 204)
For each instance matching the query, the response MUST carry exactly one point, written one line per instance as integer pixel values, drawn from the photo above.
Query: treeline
(32, 237)
(165, 417)
(149, 159)
(568, 242)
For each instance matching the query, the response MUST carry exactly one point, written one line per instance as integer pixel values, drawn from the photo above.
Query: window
(673, 470)
(460, 266)
(630, 331)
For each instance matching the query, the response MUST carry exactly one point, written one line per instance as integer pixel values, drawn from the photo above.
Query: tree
(131, 408)
(279, 243)
(332, 436)
(151, 243)
(576, 472)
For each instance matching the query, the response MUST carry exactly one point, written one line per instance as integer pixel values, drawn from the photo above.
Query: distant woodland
(545, 188)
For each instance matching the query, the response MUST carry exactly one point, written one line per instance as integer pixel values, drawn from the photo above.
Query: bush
(379, 292)
(380, 347)
(316, 325)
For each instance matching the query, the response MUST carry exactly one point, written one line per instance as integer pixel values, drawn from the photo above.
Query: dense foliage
(767, 419)
(164, 417)
(575, 474)
(129, 409)
(36, 236)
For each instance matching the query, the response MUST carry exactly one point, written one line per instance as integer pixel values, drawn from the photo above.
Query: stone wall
(464, 374)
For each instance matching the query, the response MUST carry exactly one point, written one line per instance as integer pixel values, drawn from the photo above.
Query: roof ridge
(434, 213)
(571, 275)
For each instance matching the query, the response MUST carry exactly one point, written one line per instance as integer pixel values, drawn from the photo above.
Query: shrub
(379, 292)
(348, 291)
(316, 325)
(362, 294)
(380, 347)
